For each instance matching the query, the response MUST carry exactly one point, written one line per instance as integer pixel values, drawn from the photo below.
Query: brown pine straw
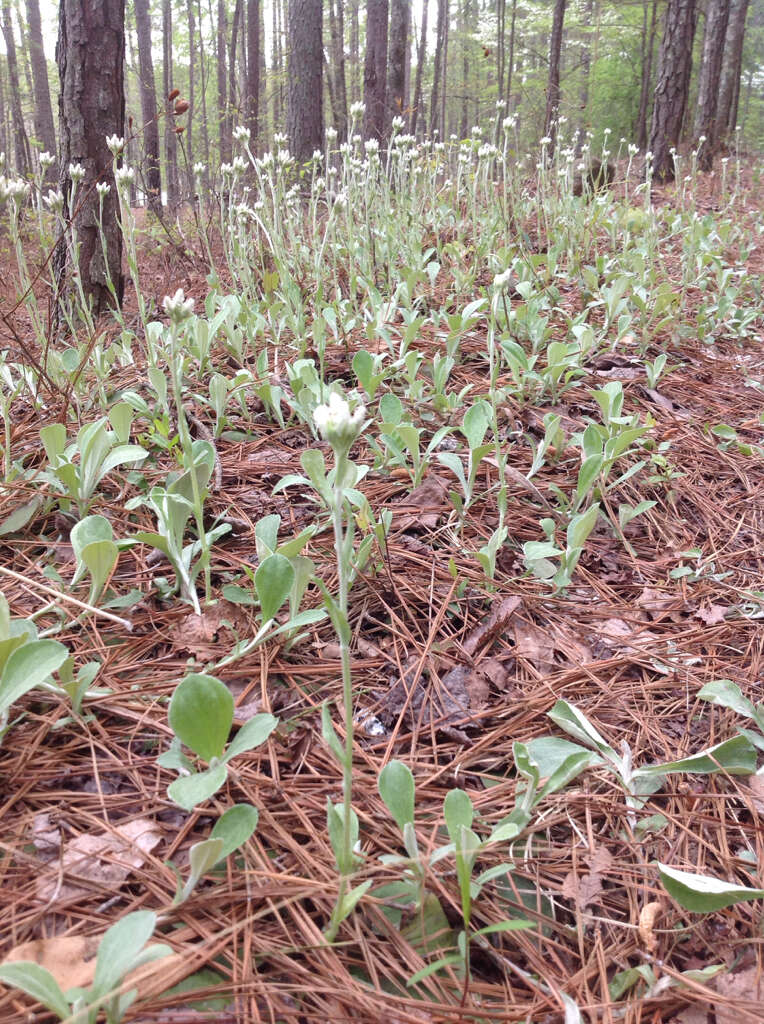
(259, 924)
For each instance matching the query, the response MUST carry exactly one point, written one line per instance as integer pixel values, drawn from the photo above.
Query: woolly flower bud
(546, 141)
(178, 307)
(199, 168)
(115, 144)
(13, 189)
(337, 424)
(76, 172)
(331, 133)
(501, 281)
(241, 132)
(357, 109)
(47, 160)
(239, 165)
(103, 188)
(124, 176)
(54, 201)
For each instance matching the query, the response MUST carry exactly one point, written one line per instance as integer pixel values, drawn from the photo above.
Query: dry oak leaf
(741, 987)
(712, 615)
(534, 645)
(106, 859)
(424, 506)
(496, 622)
(657, 602)
(204, 635)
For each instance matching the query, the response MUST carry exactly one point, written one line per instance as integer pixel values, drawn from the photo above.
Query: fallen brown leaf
(534, 645)
(424, 506)
(743, 986)
(206, 635)
(490, 628)
(106, 859)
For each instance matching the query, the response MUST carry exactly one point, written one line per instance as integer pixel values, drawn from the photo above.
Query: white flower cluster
(13, 189)
(502, 280)
(114, 144)
(46, 160)
(124, 177)
(337, 424)
(178, 307)
(54, 201)
(76, 173)
(103, 189)
(241, 132)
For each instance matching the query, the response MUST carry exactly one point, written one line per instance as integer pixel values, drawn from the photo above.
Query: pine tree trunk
(20, 140)
(437, 66)
(252, 98)
(187, 138)
(444, 72)
(92, 107)
(375, 120)
(43, 112)
(204, 78)
(553, 87)
(420, 59)
(150, 126)
(224, 135)
(717, 17)
(400, 23)
(355, 52)
(3, 137)
(170, 138)
(337, 36)
(305, 107)
(464, 124)
(733, 60)
(511, 55)
(648, 49)
(586, 65)
(672, 85)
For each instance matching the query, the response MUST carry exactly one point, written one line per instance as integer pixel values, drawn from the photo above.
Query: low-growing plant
(201, 715)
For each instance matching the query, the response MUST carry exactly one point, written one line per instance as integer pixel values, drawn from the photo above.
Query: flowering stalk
(340, 427)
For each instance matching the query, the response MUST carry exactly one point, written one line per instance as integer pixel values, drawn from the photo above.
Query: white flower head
(241, 132)
(47, 159)
(337, 423)
(501, 281)
(54, 200)
(76, 172)
(357, 109)
(178, 307)
(124, 176)
(115, 144)
(199, 168)
(103, 188)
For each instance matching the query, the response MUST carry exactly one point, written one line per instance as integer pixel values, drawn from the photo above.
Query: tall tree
(717, 16)
(437, 66)
(733, 62)
(553, 86)
(44, 128)
(305, 109)
(672, 85)
(648, 49)
(20, 140)
(420, 59)
(204, 74)
(92, 107)
(400, 25)
(148, 104)
(511, 55)
(189, 121)
(337, 36)
(170, 138)
(375, 119)
(252, 98)
(355, 51)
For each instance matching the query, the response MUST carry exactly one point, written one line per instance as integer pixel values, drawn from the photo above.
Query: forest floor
(628, 644)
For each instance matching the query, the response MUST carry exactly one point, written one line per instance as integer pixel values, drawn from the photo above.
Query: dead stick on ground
(66, 597)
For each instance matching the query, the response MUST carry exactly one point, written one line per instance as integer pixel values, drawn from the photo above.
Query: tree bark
(586, 66)
(375, 119)
(189, 118)
(305, 106)
(420, 59)
(400, 24)
(511, 56)
(717, 17)
(252, 98)
(355, 52)
(20, 140)
(43, 112)
(92, 107)
(672, 85)
(553, 87)
(170, 138)
(148, 104)
(203, 75)
(648, 49)
(437, 66)
(733, 60)
(337, 36)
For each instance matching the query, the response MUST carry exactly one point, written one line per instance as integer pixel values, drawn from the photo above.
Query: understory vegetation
(382, 593)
